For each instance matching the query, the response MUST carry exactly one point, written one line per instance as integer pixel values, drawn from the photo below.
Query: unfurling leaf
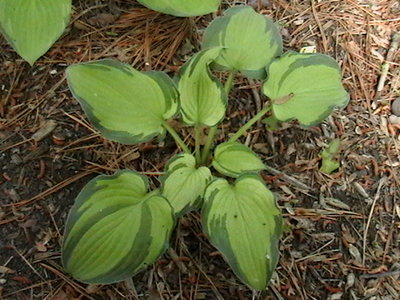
(32, 26)
(234, 159)
(125, 105)
(182, 8)
(306, 87)
(184, 184)
(250, 41)
(328, 155)
(244, 224)
(115, 229)
(202, 97)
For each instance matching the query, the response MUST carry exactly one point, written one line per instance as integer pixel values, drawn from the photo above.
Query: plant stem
(242, 130)
(213, 130)
(229, 82)
(207, 146)
(197, 137)
(176, 137)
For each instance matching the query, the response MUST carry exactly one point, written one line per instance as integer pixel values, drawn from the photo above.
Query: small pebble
(396, 107)
(393, 119)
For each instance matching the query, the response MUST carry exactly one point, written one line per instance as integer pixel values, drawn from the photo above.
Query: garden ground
(343, 230)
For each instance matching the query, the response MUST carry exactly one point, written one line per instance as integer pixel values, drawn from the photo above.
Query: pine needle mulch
(342, 239)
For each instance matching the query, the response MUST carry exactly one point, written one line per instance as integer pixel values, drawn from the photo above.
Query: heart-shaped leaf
(184, 184)
(182, 8)
(244, 224)
(32, 26)
(202, 97)
(306, 87)
(125, 105)
(234, 159)
(115, 229)
(250, 41)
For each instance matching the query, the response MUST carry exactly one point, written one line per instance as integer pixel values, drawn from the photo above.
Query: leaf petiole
(176, 137)
(242, 130)
(197, 137)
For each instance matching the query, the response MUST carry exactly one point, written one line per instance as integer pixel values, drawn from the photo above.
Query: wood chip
(47, 127)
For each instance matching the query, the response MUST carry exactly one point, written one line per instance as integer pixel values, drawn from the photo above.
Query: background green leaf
(182, 8)
(202, 97)
(329, 157)
(184, 184)
(244, 224)
(250, 41)
(234, 159)
(125, 105)
(115, 229)
(306, 87)
(32, 26)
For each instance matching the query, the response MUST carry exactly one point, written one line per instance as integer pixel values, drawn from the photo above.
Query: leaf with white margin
(234, 159)
(250, 41)
(31, 27)
(115, 229)
(306, 87)
(202, 97)
(184, 184)
(125, 105)
(182, 8)
(244, 224)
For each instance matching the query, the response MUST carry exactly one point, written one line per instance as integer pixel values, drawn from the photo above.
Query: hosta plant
(32, 26)
(118, 226)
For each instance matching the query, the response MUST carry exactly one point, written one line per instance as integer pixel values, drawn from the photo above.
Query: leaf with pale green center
(125, 105)
(115, 229)
(182, 8)
(32, 26)
(202, 97)
(184, 184)
(234, 159)
(306, 87)
(244, 224)
(250, 40)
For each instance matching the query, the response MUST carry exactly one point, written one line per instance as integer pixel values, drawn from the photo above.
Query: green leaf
(125, 105)
(182, 8)
(306, 87)
(250, 41)
(115, 229)
(202, 97)
(244, 224)
(184, 184)
(234, 159)
(328, 155)
(32, 26)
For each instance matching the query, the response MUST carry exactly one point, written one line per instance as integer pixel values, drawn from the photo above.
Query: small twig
(276, 292)
(381, 182)
(175, 258)
(385, 67)
(380, 275)
(293, 181)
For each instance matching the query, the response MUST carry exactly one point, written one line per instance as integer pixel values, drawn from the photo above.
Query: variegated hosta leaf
(306, 87)
(182, 8)
(32, 27)
(125, 105)
(250, 41)
(244, 224)
(115, 229)
(184, 184)
(202, 97)
(234, 159)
